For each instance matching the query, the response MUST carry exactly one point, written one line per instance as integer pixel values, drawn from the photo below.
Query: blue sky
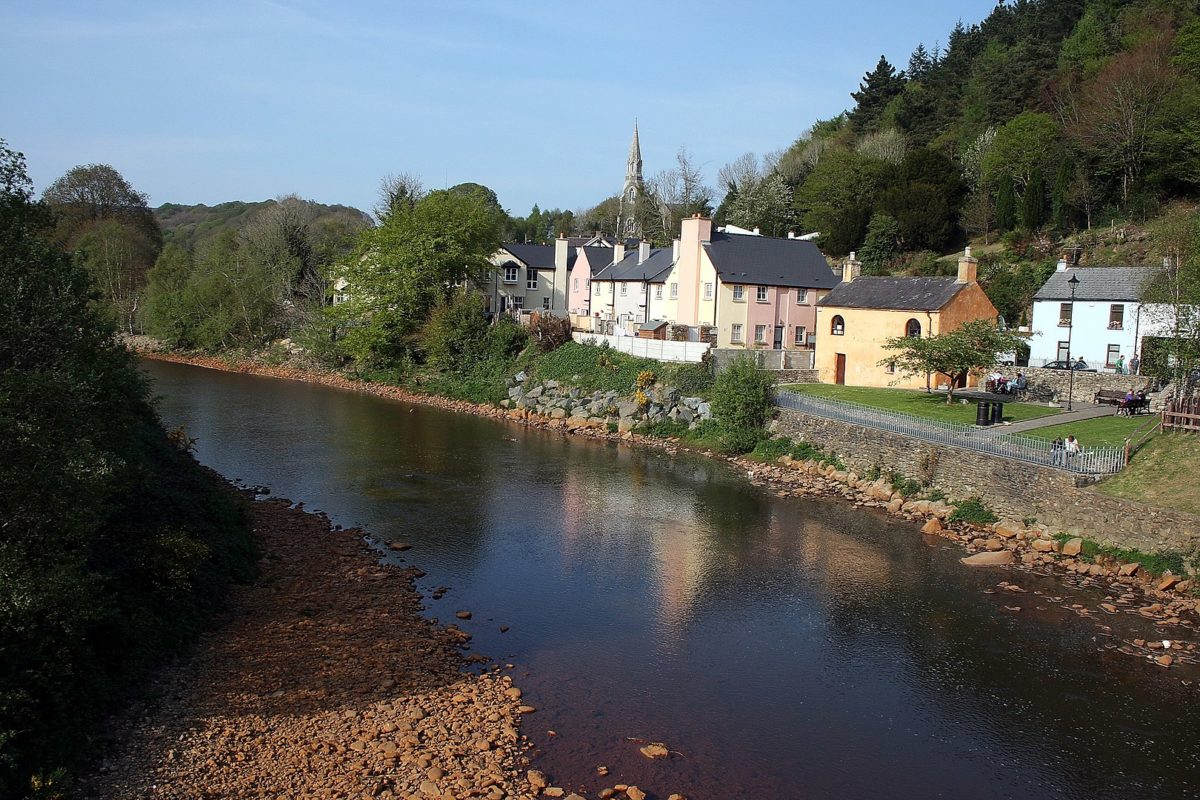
(207, 102)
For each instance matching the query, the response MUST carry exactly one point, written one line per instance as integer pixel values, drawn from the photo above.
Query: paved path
(1081, 412)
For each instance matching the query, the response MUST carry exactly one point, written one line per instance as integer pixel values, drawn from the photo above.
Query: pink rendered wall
(780, 309)
(581, 271)
(692, 232)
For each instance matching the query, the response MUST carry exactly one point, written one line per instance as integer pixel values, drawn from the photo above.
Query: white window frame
(624, 289)
(511, 273)
(643, 290)
(597, 290)
(735, 333)
(760, 334)
(531, 280)
(674, 291)
(1060, 350)
(1111, 354)
(658, 291)
(834, 328)
(801, 334)
(760, 294)
(546, 303)
(577, 284)
(1118, 310)
(708, 289)
(1065, 312)
(801, 297)
(739, 292)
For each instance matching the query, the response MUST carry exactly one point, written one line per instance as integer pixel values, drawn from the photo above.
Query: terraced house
(534, 277)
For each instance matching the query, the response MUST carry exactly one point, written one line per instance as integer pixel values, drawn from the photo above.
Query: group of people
(1063, 452)
(1132, 402)
(1135, 364)
(1000, 384)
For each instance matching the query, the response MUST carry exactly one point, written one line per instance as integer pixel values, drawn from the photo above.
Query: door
(840, 369)
(778, 337)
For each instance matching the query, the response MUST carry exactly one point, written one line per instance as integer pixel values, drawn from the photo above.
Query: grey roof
(895, 293)
(767, 261)
(598, 257)
(653, 270)
(652, 325)
(540, 256)
(1097, 283)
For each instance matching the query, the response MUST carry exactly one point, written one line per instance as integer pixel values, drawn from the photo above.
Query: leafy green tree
(1028, 142)
(878, 88)
(408, 265)
(743, 399)
(881, 246)
(455, 336)
(841, 189)
(971, 347)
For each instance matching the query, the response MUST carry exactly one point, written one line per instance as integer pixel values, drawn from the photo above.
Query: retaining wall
(1048, 384)
(1013, 489)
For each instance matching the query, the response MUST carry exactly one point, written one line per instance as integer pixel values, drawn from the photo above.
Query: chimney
(1062, 265)
(618, 251)
(643, 251)
(791, 234)
(696, 229)
(674, 250)
(968, 267)
(851, 269)
(561, 251)
(756, 232)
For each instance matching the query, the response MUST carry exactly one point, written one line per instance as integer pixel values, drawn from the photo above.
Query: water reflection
(789, 648)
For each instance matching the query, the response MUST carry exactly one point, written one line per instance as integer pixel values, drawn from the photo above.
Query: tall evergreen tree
(1060, 209)
(878, 88)
(1006, 205)
(1033, 203)
(919, 63)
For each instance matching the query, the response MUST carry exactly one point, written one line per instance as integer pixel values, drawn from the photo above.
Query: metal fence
(1092, 461)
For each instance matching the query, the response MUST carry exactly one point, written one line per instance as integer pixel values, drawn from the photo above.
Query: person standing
(1135, 364)
(1072, 448)
(1120, 364)
(1058, 452)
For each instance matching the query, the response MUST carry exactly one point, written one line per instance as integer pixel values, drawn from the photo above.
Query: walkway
(1081, 412)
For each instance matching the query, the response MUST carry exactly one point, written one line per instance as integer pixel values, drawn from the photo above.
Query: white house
(1106, 321)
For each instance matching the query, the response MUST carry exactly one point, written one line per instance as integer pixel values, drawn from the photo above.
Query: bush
(455, 336)
(691, 379)
(666, 429)
(743, 398)
(974, 512)
(772, 449)
(907, 487)
(550, 332)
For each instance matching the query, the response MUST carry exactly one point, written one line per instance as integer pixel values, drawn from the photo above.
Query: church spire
(628, 225)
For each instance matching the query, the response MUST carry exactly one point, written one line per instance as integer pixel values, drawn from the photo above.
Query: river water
(783, 648)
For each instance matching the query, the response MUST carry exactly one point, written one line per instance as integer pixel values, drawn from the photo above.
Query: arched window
(837, 325)
(912, 329)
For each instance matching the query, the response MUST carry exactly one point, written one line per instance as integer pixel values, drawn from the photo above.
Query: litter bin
(997, 412)
(983, 413)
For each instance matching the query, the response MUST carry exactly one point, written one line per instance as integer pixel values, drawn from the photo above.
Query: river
(783, 648)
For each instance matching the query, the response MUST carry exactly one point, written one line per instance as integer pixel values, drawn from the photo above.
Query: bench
(1114, 397)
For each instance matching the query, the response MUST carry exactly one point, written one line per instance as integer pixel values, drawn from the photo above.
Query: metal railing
(1092, 461)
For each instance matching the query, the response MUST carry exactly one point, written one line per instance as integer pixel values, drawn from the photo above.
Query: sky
(205, 102)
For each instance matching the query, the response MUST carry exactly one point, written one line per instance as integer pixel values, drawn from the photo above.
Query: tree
(1172, 301)
(397, 192)
(1033, 203)
(743, 397)
(920, 63)
(979, 213)
(679, 193)
(970, 348)
(1060, 208)
(1030, 141)
(881, 245)
(877, 89)
(1006, 204)
(405, 267)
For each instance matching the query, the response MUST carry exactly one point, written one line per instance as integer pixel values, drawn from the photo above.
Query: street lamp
(1071, 327)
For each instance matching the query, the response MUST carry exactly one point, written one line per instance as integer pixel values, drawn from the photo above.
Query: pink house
(588, 262)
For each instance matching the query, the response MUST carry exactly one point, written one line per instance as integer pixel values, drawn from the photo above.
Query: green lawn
(1163, 473)
(1096, 432)
(917, 402)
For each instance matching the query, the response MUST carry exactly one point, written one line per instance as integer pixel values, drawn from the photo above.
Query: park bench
(1115, 397)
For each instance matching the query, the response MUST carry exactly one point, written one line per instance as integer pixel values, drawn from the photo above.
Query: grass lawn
(1097, 432)
(916, 402)
(1163, 473)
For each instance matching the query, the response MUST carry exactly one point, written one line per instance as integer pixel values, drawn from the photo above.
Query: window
(546, 303)
(577, 284)
(1063, 354)
(597, 290)
(531, 279)
(912, 329)
(643, 290)
(1064, 315)
(736, 333)
(632, 193)
(674, 291)
(801, 296)
(760, 334)
(587, 284)
(891, 368)
(624, 289)
(739, 292)
(1116, 316)
(658, 292)
(800, 332)
(510, 274)
(761, 294)
(1114, 352)
(837, 326)
(708, 291)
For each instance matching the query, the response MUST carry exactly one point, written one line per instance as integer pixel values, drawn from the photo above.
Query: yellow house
(862, 313)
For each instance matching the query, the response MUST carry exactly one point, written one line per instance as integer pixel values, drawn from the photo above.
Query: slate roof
(540, 256)
(653, 270)
(894, 293)
(1097, 283)
(598, 257)
(767, 261)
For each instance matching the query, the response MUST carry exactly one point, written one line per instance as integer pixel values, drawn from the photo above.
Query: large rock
(1000, 558)
(626, 409)
(1073, 547)
(1007, 529)
(933, 525)
(1042, 545)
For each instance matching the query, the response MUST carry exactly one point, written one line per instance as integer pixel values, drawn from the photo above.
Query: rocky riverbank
(1165, 604)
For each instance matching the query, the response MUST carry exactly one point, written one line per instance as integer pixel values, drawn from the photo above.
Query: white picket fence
(659, 349)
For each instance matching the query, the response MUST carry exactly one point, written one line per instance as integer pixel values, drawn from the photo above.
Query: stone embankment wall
(598, 409)
(1051, 384)
(1013, 489)
(795, 375)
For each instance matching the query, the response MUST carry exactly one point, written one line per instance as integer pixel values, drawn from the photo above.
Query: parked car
(1078, 366)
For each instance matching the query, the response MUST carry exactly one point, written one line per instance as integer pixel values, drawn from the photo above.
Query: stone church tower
(628, 224)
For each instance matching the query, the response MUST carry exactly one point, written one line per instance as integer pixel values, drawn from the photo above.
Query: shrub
(907, 487)
(666, 429)
(693, 380)
(742, 399)
(973, 511)
(549, 332)
(455, 334)
(772, 449)
(506, 339)
(645, 379)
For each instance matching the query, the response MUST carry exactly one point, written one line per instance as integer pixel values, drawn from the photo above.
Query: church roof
(767, 261)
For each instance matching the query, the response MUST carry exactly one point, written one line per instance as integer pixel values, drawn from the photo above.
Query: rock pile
(599, 409)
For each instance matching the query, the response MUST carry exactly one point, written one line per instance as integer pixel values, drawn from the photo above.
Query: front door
(840, 369)
(778, 337)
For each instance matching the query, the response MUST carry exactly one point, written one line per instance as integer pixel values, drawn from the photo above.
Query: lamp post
(1070, 328)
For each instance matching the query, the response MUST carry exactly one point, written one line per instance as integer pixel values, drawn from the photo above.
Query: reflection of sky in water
(788, 648)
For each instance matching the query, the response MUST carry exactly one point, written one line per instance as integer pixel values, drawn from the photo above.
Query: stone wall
(598, 409)
(1052, 384)
(794, 375)
(1013, 489)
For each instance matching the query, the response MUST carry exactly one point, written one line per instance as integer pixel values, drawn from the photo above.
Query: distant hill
(189, 226)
